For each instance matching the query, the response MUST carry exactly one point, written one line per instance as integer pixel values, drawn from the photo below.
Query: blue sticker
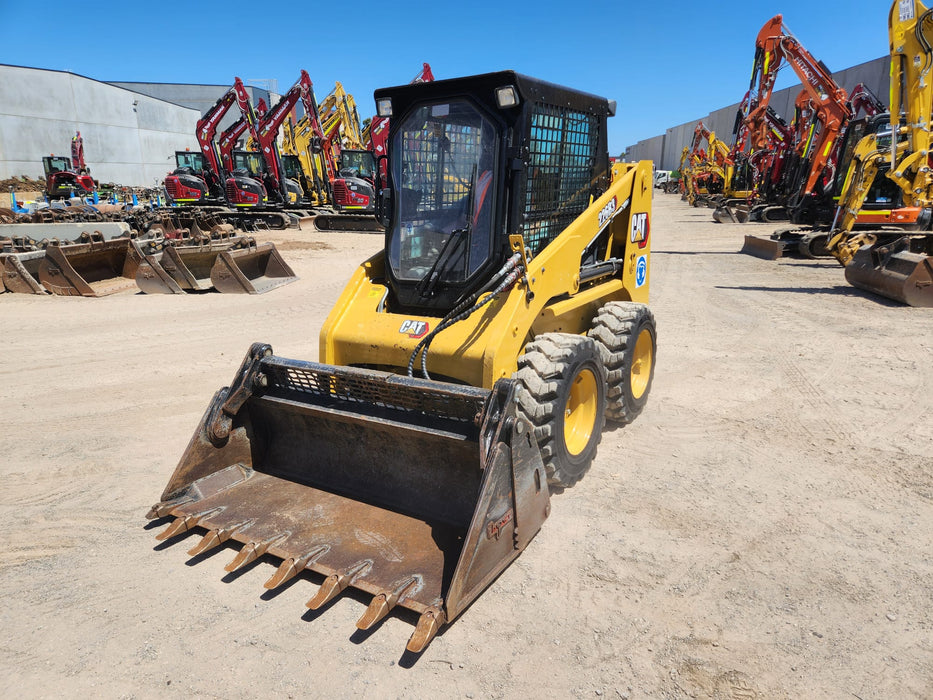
(641, 271)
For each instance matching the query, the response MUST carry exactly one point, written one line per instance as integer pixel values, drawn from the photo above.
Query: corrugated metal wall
(665, 149)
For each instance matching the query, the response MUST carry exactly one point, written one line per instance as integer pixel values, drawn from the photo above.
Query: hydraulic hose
(507, 275)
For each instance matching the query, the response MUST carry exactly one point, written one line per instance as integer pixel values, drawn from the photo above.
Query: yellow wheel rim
(642, 360)
(580, 412)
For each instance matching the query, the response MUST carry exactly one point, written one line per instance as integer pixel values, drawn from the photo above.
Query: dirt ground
(763, 530)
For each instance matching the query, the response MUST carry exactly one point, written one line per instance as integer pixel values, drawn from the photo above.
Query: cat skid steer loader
(465, 369)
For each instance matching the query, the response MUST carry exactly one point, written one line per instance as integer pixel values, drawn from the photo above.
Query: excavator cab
(245, 186)
(62, 181)
(357, 163)
(193, 162)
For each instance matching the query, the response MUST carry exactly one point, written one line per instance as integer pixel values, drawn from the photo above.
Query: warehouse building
(130, 130)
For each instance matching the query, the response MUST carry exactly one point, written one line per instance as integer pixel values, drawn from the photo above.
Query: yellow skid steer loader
(466, 370)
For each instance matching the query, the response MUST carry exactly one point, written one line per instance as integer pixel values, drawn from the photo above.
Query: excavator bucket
(152, 278)
(92, 269)
(183, 268)
(901, 270)
(416, 492)
(20, 272)
(726, 214)
(255, 269)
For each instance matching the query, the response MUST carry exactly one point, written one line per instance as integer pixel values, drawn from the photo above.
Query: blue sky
(664, 64)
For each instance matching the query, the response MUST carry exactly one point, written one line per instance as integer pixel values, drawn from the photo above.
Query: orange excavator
(813, 185)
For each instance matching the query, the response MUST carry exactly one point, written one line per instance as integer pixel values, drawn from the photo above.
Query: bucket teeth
(335, 584)
(292, 566)
(252, 551)
(164, 508)
(383, 603)
(216, 537)
(429, 623)
(184, 523)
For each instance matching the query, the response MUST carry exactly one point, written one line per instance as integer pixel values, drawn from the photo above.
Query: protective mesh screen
(562, 156)
(373, 389)
(461, 145)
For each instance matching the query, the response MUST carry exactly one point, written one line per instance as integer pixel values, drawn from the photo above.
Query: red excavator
(68, 178)
(209, 185)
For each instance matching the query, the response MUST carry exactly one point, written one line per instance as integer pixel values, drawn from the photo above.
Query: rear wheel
(626, 335)
(562, 394)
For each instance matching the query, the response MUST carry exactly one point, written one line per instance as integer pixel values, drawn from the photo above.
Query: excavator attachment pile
(901, 270)
(235, 264)
(416, 492)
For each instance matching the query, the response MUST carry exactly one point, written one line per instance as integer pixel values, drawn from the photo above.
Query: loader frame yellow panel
(485, 347)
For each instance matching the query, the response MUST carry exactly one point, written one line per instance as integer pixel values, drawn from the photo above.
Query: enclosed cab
(244, 187)
(473, 160)
(192, 181)
(353, 188)
(61, 180)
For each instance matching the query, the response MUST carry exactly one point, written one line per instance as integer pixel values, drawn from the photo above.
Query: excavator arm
(896, 266)
(773, 47)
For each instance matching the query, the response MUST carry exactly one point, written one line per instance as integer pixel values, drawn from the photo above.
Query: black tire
(562, 375)
(626, 335)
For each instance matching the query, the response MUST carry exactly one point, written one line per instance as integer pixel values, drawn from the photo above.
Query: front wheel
(626, 335)
(562, 393)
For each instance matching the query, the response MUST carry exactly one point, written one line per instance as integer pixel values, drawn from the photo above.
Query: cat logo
(640, 229)
(414, 329)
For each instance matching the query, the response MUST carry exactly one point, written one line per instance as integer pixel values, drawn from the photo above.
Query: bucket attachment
(152, 278)
(255, 269)
(727, 214)
(901, 270)
(20, 272)
(186, 268)
(417, 492)
(93, 269)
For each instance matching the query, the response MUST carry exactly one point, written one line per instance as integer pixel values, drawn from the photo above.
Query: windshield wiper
(429, 281)
(438, 270)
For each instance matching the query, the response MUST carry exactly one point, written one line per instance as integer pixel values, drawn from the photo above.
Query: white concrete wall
(129, 138)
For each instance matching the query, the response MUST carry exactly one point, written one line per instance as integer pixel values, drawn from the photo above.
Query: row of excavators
(323, 174)
(851, 176)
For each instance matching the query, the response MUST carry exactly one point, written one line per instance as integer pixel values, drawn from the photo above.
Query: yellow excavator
(466, 370)
(895, 262)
